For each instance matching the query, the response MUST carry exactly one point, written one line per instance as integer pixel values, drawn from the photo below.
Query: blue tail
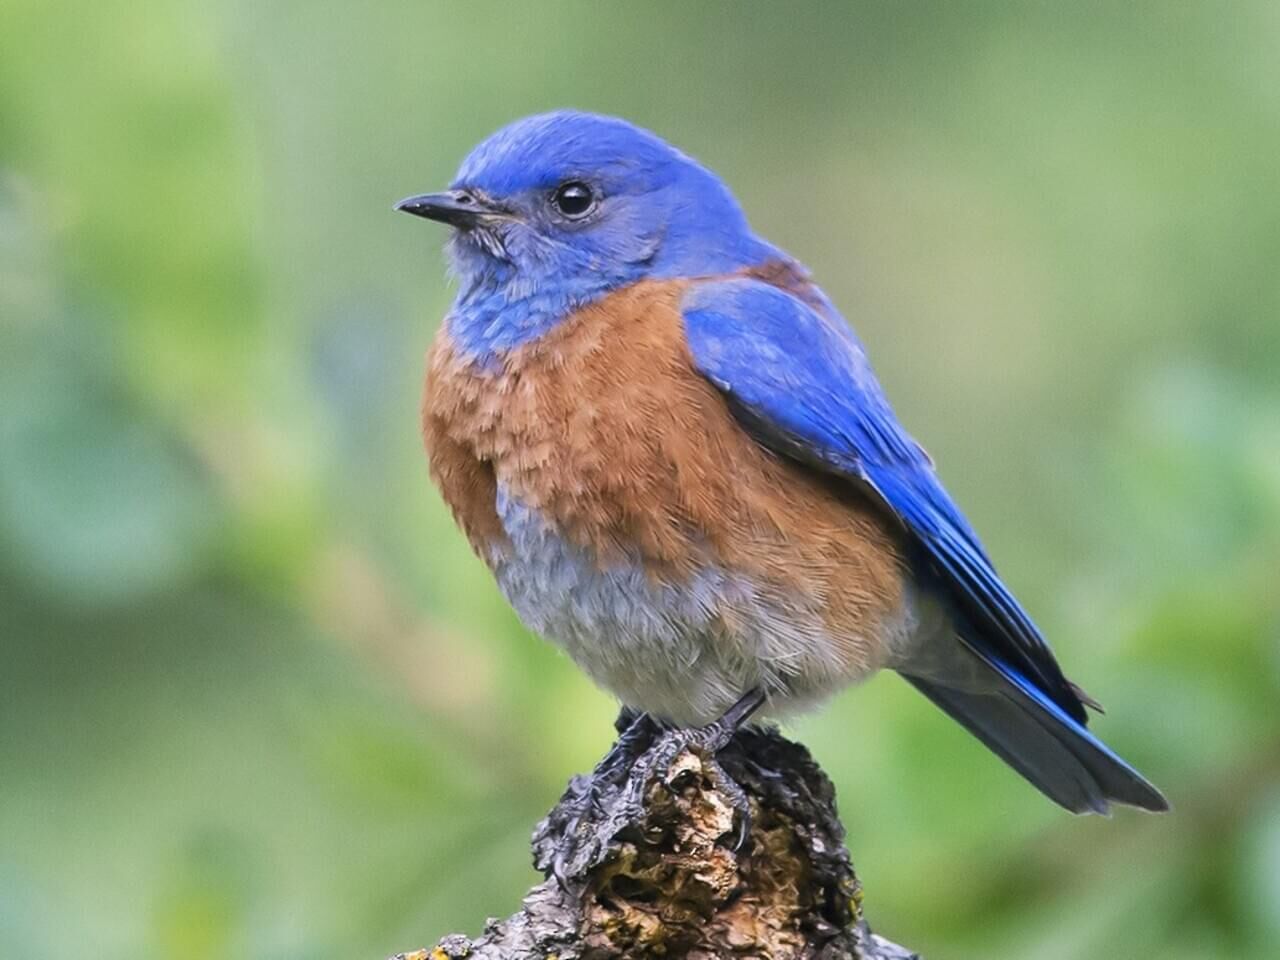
(1036, 737)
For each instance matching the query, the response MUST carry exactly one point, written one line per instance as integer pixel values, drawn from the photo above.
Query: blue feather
(1038, 739)
(801, 382)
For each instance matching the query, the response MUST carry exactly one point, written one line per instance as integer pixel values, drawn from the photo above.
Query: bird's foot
(575, 837)
(660, 763)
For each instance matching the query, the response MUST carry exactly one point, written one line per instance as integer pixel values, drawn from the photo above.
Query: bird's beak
(458, 208)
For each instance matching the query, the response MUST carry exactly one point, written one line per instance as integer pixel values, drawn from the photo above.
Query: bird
(671, 451)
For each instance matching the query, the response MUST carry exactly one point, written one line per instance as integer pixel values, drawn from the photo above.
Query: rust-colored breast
(605, 428)
(454, 407)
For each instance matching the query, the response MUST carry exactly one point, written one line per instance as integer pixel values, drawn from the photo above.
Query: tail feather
(1058, 755)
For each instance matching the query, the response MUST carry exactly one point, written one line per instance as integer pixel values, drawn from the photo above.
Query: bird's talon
(612, 796)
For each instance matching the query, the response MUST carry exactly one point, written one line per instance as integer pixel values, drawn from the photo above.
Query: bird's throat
(506, 309)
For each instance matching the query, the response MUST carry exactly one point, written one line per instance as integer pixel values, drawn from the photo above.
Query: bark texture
(660, 875)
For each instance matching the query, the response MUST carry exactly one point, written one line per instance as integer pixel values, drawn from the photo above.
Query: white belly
(682, 652)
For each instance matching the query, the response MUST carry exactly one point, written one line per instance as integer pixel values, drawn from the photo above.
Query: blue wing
(796, 378)
(800, 382)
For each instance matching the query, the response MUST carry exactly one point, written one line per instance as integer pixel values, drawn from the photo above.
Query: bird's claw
(704, 743)
(577, 834)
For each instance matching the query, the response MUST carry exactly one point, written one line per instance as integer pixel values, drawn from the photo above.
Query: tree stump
(673, 877)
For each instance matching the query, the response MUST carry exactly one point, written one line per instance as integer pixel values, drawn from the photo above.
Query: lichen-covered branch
(667, 876)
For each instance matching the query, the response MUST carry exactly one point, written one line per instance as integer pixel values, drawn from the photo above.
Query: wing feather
(800, 383)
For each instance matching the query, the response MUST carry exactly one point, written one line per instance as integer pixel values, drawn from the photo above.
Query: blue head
(555, 210)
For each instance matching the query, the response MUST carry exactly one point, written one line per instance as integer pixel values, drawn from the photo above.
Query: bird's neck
(503, 310)
(500, 306)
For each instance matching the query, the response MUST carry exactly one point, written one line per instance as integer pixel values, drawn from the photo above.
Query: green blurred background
(257, 699)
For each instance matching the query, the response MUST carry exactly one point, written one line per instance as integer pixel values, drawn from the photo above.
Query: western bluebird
(672, 452)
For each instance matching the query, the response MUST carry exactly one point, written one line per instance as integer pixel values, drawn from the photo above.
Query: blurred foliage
(256, 698)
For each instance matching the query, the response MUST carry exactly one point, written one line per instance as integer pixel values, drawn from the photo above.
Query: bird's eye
(574, 199)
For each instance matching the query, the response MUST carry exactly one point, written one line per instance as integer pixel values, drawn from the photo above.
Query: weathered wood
(662, 877)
